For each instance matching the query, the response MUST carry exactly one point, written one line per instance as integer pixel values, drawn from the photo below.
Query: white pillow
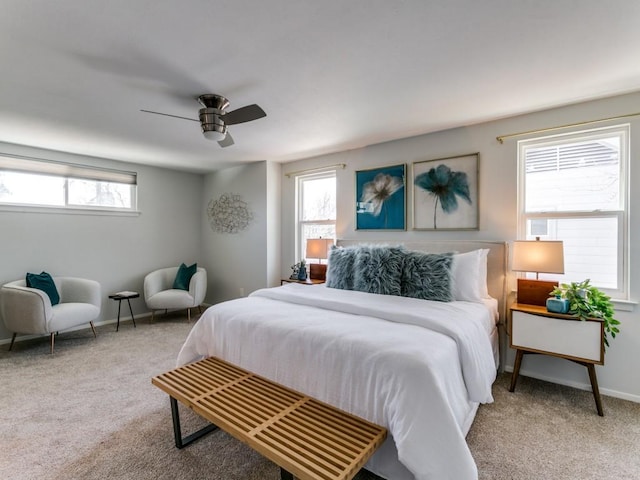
(469, 275)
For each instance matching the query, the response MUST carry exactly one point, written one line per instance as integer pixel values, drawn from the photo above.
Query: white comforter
(417, 367)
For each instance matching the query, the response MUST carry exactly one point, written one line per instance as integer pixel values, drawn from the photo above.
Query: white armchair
(29, 310)
(159, 293)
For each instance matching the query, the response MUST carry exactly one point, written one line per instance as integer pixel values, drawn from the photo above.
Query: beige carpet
(90, 412)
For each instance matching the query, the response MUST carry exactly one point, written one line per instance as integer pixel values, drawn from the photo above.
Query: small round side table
(125, 296)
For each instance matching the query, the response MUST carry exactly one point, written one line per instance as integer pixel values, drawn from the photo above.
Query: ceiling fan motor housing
(210, 121)
(213, 127)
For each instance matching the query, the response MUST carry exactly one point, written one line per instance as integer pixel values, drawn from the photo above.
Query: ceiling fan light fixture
(214, 135)
(213, 128)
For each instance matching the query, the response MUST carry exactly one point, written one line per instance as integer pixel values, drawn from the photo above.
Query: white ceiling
(332, 75)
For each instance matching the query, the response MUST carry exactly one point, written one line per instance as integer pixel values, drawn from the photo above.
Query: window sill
(68, 210)
(624, 305)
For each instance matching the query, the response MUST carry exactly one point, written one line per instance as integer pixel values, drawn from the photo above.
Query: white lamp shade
(538, 256)
(318, 247)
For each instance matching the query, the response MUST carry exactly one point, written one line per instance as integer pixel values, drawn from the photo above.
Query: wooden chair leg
(53, 339)
(152, 314)
(13, 339)
(94, 329)
(199, 309)
(188, 315)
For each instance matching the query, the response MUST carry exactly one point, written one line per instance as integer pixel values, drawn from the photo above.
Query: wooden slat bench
(306, 438)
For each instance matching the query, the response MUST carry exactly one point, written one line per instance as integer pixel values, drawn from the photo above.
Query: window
(33, 182)
(316, 212)
(573, 188)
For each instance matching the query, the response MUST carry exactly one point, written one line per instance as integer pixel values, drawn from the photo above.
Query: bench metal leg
(177, 433)
(284, 475)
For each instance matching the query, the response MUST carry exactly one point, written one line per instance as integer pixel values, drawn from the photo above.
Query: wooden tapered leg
(13, 339)
(94, 329)
(189, 315)
(152, 314)
(516, 370)
(594, 386)
(199, 309)
(53, 339)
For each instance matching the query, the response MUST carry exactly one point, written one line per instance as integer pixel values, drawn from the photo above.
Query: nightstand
(308, 281)
(532, 329)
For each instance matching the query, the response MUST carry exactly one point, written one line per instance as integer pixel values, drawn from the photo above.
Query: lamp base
(534, 292)
(317, 271)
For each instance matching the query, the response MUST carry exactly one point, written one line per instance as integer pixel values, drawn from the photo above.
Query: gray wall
(117, 251)
(240, 263)
(498, 216)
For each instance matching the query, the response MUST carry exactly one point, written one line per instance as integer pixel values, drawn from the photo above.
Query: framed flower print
(381, 198)
(445, 193)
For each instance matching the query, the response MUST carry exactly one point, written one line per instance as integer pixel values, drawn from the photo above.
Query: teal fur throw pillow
(427, 276)
(340, 268)
(183, 277)
(378, 269)
(44, 282)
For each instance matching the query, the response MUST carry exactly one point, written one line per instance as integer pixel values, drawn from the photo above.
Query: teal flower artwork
(445, 185)
(380, 199)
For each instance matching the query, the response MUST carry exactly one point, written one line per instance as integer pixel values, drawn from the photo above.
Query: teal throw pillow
(378, 269)
(427, 276)
(340, 269)
(183, 277)
(44, 282)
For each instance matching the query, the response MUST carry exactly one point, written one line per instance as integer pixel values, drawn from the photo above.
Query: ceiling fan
(214, 120)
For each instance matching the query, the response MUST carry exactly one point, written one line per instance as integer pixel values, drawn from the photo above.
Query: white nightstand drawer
(575, 339)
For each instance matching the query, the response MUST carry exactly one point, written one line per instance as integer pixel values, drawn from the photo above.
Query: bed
(416, 366)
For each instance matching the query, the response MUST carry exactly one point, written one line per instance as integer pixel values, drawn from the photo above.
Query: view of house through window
(49, 184)
(316, 212)
(573, 188)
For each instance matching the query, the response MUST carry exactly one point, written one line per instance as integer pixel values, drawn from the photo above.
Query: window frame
(621, 215)
(67, 172)
(300, 249)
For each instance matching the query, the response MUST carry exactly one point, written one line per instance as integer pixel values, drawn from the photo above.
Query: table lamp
(318, 248)
(539, 257)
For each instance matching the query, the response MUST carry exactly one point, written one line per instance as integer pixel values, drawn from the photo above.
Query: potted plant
(586, 301)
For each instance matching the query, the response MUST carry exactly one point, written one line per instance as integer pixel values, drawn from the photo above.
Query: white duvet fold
(462, 321)
(410, 365)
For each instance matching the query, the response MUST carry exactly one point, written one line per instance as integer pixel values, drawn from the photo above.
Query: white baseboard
(125, 318)
(579, 385)
(86, 326)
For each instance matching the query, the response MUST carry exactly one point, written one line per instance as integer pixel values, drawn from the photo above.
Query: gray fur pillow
(378, 269)
(340, 270)
(427, 276)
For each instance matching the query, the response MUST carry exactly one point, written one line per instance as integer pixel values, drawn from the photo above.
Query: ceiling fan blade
(169, 115)
(227, 141)
(243, 114)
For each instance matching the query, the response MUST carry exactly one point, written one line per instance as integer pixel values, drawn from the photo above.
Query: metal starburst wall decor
(229, 214)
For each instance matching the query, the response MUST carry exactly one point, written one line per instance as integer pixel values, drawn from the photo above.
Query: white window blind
(32, 182)
(68, 170)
